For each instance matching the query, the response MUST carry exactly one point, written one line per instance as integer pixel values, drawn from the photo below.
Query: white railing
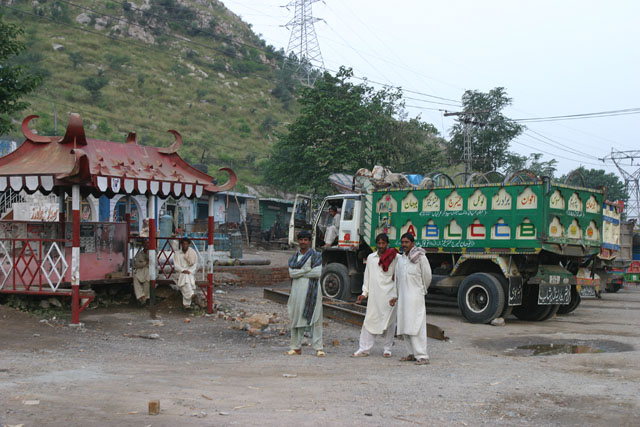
(7, 199)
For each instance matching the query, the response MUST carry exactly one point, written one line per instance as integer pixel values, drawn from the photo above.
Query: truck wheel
(530, 310)
(481, 298)
(573, 304)
(506, 311)
(612, 288)
(552, 312)
(335, 281)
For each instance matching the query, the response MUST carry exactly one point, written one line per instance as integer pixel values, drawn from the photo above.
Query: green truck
(498, 248)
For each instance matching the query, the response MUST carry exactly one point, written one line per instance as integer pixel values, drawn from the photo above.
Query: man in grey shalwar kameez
(305, 300)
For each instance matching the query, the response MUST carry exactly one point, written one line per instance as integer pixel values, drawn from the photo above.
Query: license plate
(549, 295)
(587, 291)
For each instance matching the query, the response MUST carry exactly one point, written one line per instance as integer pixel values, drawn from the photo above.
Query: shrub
(76, 59)
(117, 61)
(94, 85)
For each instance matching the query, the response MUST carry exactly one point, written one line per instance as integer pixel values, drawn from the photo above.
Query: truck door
(301, 217)
(350, 224)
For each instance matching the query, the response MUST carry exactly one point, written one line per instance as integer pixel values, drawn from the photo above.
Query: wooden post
(61, 214)
(151, 214)
(75, 254)
(127, 218)
(210, 229)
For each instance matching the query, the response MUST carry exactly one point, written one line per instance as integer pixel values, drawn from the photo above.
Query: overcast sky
(553, 57)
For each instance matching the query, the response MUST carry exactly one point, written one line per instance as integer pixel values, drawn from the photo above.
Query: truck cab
(342, 259)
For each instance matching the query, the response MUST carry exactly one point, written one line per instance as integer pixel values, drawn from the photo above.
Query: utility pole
(466, 117)
(303, 41)
(631, 180)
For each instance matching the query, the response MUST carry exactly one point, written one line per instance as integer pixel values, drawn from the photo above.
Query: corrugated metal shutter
(268, 218)
(233, 213)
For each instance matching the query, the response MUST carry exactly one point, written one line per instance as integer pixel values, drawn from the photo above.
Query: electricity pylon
(303, 42)
(631, 180)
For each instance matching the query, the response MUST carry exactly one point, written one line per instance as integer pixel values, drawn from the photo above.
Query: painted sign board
(520, 218)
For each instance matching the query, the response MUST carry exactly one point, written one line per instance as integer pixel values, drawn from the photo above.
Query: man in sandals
(413, 277)
(379, 287)
(305, 300)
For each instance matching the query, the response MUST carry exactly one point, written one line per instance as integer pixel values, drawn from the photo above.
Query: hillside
(154, 65)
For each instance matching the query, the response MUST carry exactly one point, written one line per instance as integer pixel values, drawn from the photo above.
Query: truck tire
(552, 312)
(612, 288)
(573, 304)
(530, 310)
(335, 281)
(506, 312)
(481, 298)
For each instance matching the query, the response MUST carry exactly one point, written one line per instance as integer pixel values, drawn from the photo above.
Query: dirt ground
(208, 371)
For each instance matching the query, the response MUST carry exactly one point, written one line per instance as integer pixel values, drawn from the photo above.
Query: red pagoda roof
(43, 163)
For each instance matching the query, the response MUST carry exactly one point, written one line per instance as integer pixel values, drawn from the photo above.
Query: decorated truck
(519, 246)
(616, 254)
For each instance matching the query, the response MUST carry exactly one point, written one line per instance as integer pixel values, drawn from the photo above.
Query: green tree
(94, 85)
(489, 130)
(343, 127)
(533, 163)
(15, 81)
(597, 178)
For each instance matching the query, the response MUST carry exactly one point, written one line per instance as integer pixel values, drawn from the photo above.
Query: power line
(369, 29)
(553, 143)
(419, 107)
(430, 102)
(611, 113)
(536, 149)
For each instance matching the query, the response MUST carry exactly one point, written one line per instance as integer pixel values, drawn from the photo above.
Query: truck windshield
(347, 211)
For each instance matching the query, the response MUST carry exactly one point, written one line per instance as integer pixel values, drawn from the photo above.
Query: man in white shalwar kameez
(186, 264)
(305, 301)
(333, 229)
(379, 288)
(141, 284)
(413, 277)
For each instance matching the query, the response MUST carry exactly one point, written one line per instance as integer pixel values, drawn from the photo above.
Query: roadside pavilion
(76, 166)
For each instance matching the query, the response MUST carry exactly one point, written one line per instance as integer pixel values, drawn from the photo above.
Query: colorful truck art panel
(493, 218)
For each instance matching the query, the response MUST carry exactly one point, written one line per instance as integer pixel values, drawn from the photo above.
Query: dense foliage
(15, 81)
(344, 126)
(598, 178)
(489, 130)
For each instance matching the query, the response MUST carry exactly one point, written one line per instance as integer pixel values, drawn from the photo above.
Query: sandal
(359, 354)
(296, 352)
(320, 353)
(409, 358)
(386, 354)
(422, 362)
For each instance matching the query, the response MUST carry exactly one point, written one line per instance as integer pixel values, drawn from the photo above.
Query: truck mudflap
(515, 291)
(554, 284)
(587, 286)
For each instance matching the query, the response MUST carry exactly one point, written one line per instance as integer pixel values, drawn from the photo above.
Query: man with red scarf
(379, 287)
